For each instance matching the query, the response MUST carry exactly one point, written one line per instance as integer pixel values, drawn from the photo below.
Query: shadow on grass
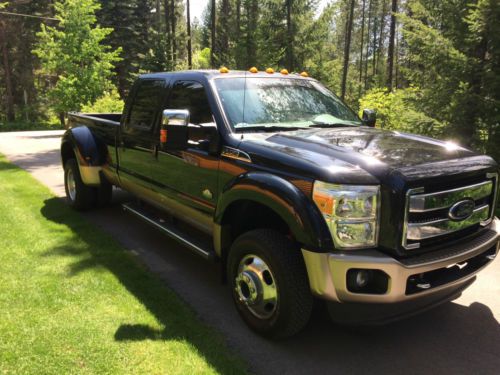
(6, 166)
(103, 251)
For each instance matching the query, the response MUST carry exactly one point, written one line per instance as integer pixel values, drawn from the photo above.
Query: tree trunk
(158, 14)
(368, 43)
(347, 49)
(390, 52)
(173, 25)
(169, 31)
(289, 37)
(251, 31)
(381, 36)
(189, 48)
(62, 119)
(9, 97)
(212, 26)
(224, 30)
(238, 20)
(361, 47)
(374, 47)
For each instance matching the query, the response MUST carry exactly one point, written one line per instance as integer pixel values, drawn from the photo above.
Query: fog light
(367, 281)
(362, 278)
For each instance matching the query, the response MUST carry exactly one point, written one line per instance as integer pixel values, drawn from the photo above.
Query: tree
(188, 25)
(9, 97)
(347, 48)
(73, 54)
(213, 18)
(132, 33)
(390, 51)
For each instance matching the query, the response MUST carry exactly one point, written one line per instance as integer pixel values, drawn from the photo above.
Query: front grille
(433, 217)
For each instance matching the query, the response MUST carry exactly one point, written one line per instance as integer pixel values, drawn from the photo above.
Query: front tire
(78, 195)
(269, 283)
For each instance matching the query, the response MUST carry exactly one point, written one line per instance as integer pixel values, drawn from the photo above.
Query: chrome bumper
(328, 272)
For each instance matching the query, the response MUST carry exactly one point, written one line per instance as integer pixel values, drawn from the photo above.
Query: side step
(170, 230)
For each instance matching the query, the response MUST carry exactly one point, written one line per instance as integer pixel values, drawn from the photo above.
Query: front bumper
(447, 269)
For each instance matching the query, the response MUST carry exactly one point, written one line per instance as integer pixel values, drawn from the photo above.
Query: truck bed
(94, 118)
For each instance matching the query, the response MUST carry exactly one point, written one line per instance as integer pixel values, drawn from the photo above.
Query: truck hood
(362, 155)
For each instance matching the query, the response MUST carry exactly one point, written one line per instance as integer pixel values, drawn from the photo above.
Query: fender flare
(90, 153)
(285, 199)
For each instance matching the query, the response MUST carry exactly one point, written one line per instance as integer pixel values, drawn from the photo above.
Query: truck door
(136, 140)
(189, 177)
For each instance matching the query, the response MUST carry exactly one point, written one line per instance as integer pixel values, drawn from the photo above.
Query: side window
(191, 95)
(145, 104)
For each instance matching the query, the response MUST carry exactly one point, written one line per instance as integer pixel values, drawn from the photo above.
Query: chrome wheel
(256, 287)
(71, 184)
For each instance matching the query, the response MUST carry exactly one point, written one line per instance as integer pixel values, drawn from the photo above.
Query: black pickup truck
(298, 198)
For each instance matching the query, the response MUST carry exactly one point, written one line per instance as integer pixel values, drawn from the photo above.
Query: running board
(170, 230)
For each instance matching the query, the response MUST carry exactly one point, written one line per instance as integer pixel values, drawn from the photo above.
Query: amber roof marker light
(284, 72)
(223, 69)
(304, 74)
(253, 69)
(269, 70)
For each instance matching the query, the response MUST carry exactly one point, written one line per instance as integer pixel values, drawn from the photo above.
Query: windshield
(281, 104)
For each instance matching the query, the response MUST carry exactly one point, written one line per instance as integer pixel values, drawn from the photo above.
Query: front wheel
(269, 283)
(78, 195)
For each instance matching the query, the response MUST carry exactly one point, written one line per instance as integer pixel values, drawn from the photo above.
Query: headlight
(351, 213)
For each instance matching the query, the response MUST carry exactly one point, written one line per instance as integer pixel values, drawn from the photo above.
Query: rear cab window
(144, 107)
(191, 95)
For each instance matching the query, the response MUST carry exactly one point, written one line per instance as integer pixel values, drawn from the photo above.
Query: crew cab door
(188, 178)
(136, 142)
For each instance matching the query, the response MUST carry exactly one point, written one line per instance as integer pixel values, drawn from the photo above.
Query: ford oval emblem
(461, 210)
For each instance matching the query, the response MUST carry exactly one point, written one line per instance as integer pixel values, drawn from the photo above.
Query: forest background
(427, 67)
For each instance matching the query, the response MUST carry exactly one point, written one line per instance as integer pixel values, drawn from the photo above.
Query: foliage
(398, 110)
(449, 50)
(19, 126)
(73, 55)
(74, 301)
(110, 102)
(201, 59)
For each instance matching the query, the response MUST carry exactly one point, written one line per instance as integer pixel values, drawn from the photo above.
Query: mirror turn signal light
(163, 136)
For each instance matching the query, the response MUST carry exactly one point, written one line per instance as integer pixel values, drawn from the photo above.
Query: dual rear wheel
(80, 196)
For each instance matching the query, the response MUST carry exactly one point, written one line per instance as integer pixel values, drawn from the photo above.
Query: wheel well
(245, 215)
(66, 153)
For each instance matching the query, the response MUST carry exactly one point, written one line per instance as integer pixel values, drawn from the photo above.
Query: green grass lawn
(72, 300)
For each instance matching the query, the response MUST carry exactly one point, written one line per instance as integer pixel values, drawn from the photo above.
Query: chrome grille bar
(444, 199)
(421, 231)
(426, 215)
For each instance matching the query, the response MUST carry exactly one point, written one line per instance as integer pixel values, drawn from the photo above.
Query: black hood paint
(365, 155)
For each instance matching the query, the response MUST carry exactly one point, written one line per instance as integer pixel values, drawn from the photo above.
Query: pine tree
(74, 52)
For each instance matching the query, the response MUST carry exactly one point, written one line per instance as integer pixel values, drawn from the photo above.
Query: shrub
(398, 110)
(110, 102)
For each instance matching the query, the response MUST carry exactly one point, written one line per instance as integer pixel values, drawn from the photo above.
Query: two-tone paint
(274, 170)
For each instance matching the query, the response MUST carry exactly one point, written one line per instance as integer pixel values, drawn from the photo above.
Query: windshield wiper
(269, 128)
(330, 125)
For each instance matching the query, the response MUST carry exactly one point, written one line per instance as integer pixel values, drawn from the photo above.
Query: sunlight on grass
(74, 301)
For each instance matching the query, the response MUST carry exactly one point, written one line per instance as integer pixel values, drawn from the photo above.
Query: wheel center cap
(247, 287)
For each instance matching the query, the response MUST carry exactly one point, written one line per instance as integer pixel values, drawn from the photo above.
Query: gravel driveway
(461, 337)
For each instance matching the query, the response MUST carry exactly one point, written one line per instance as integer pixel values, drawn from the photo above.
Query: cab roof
(214, 73)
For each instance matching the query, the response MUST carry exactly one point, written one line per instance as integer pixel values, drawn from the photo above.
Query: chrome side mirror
(174, 130)
(175, 117)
